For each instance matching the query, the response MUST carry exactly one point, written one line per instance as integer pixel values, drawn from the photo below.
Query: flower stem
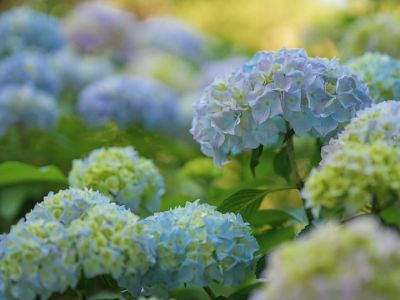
(81, 294)
(298, 180)
(210, 293)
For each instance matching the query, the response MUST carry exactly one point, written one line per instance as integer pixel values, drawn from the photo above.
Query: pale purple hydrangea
(29, 68)
(26, 107)
(128, 101)
(98, 28)
(174, 36)
(76, 70)
(251, 105)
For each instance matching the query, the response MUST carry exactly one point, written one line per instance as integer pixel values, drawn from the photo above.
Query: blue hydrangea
(129, 101)
(380, 72)
(27, 108)
(121, 174)
(29, 68)
(23, 28)
(98, 28)
(251, 105)
(198, 245)
(76, 71)
(110, 241)
(67, 205)
(37, 259)
(173, 36)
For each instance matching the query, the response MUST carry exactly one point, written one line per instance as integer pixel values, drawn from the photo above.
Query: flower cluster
(249, 106)
(37, 258)
(26, 107)
(22, 28)
(373, 33)
(76, 71)
(378, 123)
(380, 72)
(358, 261)
(29, 68)
(101, 29)
(109, 241)
(173, 36)
(129, 101)
(198, 245)
(119, 173)
(66, 206)
(355, 176)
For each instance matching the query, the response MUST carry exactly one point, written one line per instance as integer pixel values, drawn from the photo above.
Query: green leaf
(261, 265)
(244, 292)
(273, 217)
(105, 295)
(255, 159)
(269, 239)
(281, 163)
(246, 202)
(13, 172)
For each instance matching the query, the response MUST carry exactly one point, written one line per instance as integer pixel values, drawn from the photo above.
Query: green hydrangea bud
(119, 173)
(359, 261)
(353, 177)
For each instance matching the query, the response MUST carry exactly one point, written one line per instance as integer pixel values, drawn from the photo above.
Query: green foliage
(13, 172)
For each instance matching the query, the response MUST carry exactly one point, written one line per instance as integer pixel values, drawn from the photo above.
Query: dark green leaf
(244, 292)
(261, 265)
(255, 159)
(273, 217)
(246, 202)
(105, 295)
(282, 165)
(13, 172)
(272, 238)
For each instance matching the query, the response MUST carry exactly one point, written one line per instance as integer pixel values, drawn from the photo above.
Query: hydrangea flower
(76, 71)
(120, 174)
(26, 107)
(378, 123)
(218, 68)
(172, 70)
(373, 33)
(353, 177)
(29, 68)
(249, 106)
(129, 101)
(198, 245)
(98, 28)
(37, 259)
(359, 261)
(66, 206)
(380, 72)
(110, 241)
(174, 36)
(23, 28)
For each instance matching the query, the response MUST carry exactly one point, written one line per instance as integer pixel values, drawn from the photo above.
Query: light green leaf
(13, 172)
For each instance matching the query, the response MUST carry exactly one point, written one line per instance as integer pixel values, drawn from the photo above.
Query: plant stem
(210, 293)
(299, 181)
(81, 294)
